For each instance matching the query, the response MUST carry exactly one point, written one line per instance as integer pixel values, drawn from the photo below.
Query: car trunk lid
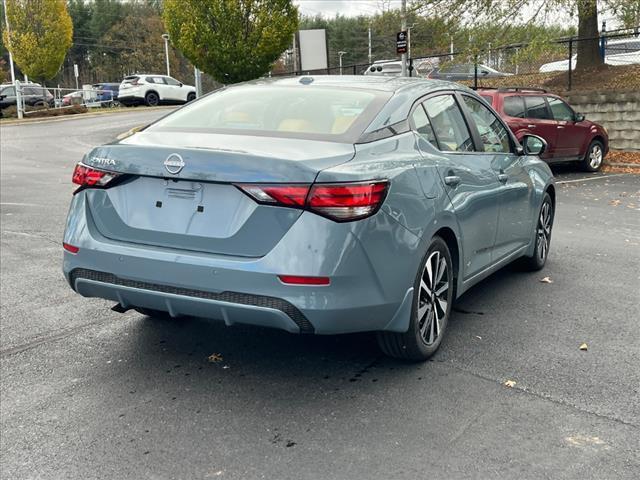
(198, 208)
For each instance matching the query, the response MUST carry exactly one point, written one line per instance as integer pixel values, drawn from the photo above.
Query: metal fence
(31, 98)
(532, 63)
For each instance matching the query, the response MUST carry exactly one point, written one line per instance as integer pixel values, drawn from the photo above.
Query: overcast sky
(353, 8)
(349, 8)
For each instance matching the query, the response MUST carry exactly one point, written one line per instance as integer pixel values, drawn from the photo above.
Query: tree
(40, 35)
(232, 40)
(528, 11)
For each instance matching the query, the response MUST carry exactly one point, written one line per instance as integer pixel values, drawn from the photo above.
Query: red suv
(569, 136)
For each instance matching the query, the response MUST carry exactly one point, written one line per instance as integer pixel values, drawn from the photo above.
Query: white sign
(75, 70)
(313, 49)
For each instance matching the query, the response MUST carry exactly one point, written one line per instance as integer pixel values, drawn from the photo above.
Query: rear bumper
(369, 291)
(232, 307)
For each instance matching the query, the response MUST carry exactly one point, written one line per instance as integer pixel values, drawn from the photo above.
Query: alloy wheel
(595, 156)
(544, 231)
(433, 298)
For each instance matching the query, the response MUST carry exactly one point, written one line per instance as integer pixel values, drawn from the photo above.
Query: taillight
(86, 176)
(341, 202)
(285, 195)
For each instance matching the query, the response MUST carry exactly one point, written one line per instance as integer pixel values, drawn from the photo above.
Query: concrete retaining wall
(619, 112)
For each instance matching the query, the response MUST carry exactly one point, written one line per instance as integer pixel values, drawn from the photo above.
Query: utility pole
(409, 39)
(370, 58)
(402, 29)
(6, 22)
(197, 79)
(340, 54)
(165, 36)
(295, 55)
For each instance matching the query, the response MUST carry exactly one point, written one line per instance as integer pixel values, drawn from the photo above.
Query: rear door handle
(560, 126)
(452, 180)
(531, 126)
(503, 177)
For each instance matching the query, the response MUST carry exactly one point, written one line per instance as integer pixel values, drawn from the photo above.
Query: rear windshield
(311, 112)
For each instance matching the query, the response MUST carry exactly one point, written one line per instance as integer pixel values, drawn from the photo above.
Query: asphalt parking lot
(90, 393)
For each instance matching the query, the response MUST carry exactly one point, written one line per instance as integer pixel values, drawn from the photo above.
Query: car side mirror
(484, 72)
(181, 84)
(579, 117)
(533, 145)
(2, 97)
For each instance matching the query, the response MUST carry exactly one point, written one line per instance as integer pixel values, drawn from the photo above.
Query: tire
(152, 99)
(191, 97)
(149, 312)
(594, 158)
(544, 226)
(430, 312)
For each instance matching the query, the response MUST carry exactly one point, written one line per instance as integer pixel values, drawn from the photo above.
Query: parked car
(569, 136)
(617, 52)
(393, 68)
(35, 95)
(73, 98)
(324, 205)
(153, 90)
(107, 93)
(463, 71)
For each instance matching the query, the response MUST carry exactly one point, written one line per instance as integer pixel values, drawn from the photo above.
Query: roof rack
(514, 89)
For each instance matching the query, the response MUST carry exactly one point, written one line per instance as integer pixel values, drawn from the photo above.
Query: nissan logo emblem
(174, 163)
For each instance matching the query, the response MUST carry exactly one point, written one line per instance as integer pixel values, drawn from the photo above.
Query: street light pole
(370, 44)
(165, 36)
(6, 22)
(340, 54)
(404, 28)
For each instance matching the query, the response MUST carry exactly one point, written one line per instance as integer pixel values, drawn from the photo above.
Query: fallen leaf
(546, 280)
(510, 383)
(215, 357)
(583, 346)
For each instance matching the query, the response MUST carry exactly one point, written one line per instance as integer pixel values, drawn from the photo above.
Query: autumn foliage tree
(39, 37)
(232, 40)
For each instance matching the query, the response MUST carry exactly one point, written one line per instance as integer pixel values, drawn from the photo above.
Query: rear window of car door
(536, 108)
(8, 92)
(422, 125)
(560, 110)
(513, 106)
(493, 134)
(448, 124)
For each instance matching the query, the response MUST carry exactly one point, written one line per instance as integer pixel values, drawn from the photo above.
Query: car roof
(364, 82)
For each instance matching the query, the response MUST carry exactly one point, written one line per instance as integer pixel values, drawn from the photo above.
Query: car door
(469, 180)
(540, 122)
(175, 91)
(160, 86)
(571, 135)
(8, 95)
(516, 191)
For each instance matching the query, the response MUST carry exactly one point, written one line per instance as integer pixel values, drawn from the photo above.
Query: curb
(61, 118)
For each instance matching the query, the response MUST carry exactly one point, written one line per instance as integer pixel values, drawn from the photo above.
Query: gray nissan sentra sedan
(314, 205)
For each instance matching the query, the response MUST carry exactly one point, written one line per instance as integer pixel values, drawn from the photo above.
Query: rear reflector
(298, 280)
(341, 202)
(86, 176)
(70, 248)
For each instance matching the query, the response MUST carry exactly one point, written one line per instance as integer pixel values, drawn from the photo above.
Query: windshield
(319, 113)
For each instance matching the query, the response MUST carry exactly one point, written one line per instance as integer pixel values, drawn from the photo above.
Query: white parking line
(591, 178)
(17, 204)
